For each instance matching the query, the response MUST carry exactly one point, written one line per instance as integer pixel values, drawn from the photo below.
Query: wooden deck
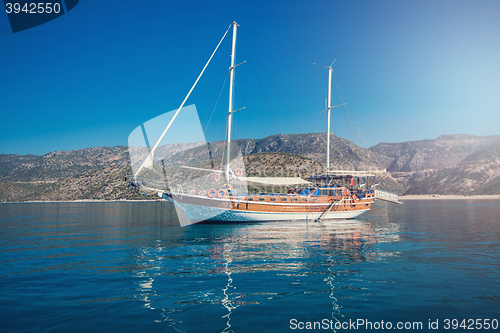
(275, 203)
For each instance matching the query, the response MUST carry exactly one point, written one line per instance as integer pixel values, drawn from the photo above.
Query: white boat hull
(199, 213)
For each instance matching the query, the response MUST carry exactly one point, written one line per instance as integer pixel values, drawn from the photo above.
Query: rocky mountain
(344, 154)
(444, 152)
(450, 164)
(59, 164)
(415, 161)
(478, 173)
(98, 184)
(34, 177)
(108, 183)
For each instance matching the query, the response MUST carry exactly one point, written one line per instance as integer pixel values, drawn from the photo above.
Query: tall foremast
(329, 108)
(231, 95)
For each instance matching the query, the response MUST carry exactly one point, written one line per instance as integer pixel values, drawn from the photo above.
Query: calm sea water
(129, 267)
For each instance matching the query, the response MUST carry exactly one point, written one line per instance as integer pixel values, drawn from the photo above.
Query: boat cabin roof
(343, 175)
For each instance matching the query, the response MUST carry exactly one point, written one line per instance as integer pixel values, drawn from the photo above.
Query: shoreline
(448, 197)
(401, 197)
(81, 201)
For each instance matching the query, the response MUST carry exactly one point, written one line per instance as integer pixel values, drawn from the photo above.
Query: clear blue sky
(408, 70)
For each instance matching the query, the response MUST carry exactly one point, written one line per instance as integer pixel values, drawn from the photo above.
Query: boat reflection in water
(224, 265)
(349, 237)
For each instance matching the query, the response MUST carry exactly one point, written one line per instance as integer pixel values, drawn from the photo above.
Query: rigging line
(212, 103)
(367, 146)
(272, 82)
(323, 130)
(223, 148)
(350, 128)
(149, 158)
(353, 120)
(295, 54)
(349, 131)
(335, 137)
(215, 107)
(262, 88)
(350, 123)
(244, 98)
(346, 108)
(354, 125)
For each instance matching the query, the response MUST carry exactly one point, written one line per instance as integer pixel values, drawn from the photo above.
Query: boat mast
(231, 87)
(329, 108)
(330, 69)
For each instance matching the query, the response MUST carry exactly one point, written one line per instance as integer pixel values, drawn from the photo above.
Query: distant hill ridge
(420, 161)
(450, 164)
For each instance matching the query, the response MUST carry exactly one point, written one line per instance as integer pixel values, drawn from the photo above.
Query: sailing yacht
(336, 194)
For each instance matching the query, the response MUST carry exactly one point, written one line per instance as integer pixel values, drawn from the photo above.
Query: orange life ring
(192, 192)
(201, 193)
(238, 172)
(221, 195)
(216, 177)
(212, 193)
(354, 198)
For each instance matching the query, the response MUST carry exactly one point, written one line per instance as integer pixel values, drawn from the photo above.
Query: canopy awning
(341, 174)
(270, 181)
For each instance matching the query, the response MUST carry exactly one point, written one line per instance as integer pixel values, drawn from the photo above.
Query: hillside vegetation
(450, 164)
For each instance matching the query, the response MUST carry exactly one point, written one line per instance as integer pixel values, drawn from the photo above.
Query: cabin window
(323, 192)
(335, 193)
(262, 199)
(250, 199)
(284, 199)
(295, 200)
(315, 200)
(273, 199)
(304, 199)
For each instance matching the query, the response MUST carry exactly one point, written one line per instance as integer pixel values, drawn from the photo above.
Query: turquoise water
(129, 267)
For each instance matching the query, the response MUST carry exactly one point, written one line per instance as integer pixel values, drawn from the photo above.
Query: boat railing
(387, 196)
